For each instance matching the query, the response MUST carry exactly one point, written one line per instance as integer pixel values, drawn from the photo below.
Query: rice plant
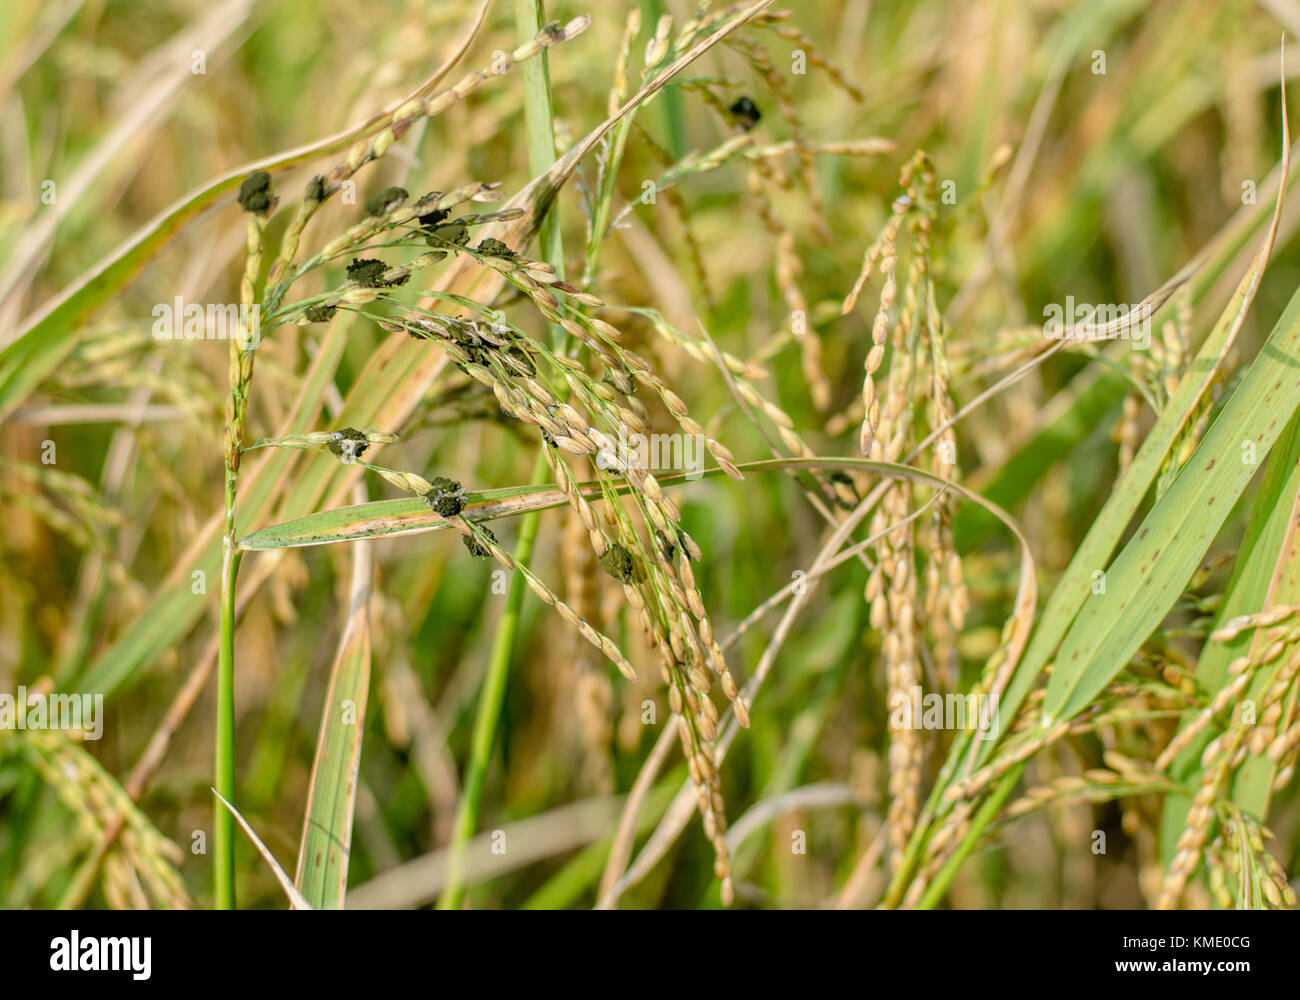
(658, 455)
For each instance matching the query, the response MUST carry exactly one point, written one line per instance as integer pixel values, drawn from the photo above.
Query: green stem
(243, 352)
(223, 835)
(539, 123)
(671, 103)
(936, 889)
(489, 711)
(605, 196)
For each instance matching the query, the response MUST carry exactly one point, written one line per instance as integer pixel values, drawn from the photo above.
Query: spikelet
(141, 867)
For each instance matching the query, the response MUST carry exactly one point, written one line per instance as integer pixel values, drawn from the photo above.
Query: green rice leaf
(1146, 578)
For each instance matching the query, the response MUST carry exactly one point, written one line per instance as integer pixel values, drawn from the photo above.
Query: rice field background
(522, 455)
